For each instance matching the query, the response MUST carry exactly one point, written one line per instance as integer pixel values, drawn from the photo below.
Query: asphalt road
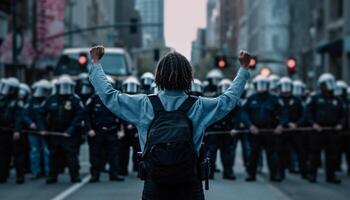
(292, 189)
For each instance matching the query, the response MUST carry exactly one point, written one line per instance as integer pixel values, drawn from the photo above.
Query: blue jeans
(38, 150)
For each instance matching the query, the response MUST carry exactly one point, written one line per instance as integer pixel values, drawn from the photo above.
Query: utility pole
(14, 32)
(70, 21)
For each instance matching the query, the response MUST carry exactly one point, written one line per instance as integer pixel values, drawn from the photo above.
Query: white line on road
(64, 194)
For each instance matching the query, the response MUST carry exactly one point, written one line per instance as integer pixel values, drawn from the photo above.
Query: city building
(198, 50)
(152, 11)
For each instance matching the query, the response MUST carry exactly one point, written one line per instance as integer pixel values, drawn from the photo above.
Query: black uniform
(106, 125)
(64, 114)
(291, 112)
(262, 110)
(225, 142)
(344, 139)
(9, 113)
(130, 139)
(326, 111)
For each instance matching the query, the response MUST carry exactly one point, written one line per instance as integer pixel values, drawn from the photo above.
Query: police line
(261, 131)
(34, 132)
(268, 131)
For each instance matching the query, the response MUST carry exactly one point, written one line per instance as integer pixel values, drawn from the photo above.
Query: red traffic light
(82, 60)
(222, 63)
(252, 63)
(291, 63)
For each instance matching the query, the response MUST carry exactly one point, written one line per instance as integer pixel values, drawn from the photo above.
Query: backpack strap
(156, 103)
(187, 104)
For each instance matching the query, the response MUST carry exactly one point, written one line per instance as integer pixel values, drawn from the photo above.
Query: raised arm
(213, 109)
(127, 107)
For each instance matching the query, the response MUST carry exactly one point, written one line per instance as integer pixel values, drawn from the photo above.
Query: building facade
(152, 11)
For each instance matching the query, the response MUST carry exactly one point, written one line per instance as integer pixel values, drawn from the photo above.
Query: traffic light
(221, 62)
(156, 54)
(252, 63)
(133, 25)
(82, 60)
(291, 65)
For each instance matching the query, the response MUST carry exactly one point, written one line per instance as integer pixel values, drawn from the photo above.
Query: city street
(292, 189)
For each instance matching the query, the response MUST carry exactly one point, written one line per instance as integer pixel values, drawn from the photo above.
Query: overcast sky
(182, 18)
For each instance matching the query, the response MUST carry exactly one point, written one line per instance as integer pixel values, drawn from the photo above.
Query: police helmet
(298, 88)
(24, 91)
(55, 86)
(147, 79)
(214, 76)
(197, 86)
(10, 86)
(285, 85)
(340, 88)
(154, 88)
(261, 83)
(273, 81)
(326, 82)
(349, 93)
(66, 85)
(42, 88)
(131, 85)
(223, 85)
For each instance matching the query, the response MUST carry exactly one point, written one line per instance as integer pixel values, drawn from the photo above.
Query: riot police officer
(225, 142)
(299, 89)
(261, 112)
(64, 113)
(343, 143)
(128, 135)
(290, 117)
(39, 150)
(213, 78)
(8, 118)
(146, 80)
(102, 138)
(324, 110)
(22, 145)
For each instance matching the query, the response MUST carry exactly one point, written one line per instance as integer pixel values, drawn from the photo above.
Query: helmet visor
(86, 89)
(65, 89)
(286, 87)
(298, 90)
(41, 92)
(261, 86)
(131, 88)
(196, 88)
(147, 81)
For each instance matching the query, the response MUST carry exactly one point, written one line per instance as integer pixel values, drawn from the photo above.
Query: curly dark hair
(174, 72)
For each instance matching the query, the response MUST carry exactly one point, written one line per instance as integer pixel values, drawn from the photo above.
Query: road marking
(278, 192)
(64, 194)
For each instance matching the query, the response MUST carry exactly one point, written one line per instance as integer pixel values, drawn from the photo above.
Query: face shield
(22, 94)
(298, 90)
(261, 86)
(86, 89)
(131, 88)
(329, 84)
(5, 89)
(65, 89)
(41, 92)
(286, 87)
(147, 81)
(196, 88)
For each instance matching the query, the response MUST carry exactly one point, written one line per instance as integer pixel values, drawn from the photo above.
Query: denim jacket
(138, 109)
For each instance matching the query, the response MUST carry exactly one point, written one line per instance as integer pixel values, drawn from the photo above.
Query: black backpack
(169, 156)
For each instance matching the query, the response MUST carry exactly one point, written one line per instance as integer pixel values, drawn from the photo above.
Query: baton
(34, 132)
(269, 130)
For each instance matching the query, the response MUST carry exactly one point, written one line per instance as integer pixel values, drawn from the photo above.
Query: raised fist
(97, 53)
(244, 58)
